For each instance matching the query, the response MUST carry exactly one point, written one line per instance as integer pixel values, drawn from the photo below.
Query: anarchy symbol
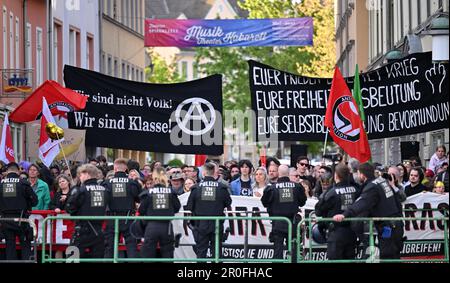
(195, 113)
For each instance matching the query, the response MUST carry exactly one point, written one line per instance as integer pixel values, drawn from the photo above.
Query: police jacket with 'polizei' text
(90, 199)
(336, 200)
(208, 198)
(16, 196)
(159, 201)
(378, 199)
(123, 192)
(284, 198)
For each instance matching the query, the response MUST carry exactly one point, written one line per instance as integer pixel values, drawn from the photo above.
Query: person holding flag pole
(51, 137)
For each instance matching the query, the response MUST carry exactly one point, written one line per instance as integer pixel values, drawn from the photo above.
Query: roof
(192, 9)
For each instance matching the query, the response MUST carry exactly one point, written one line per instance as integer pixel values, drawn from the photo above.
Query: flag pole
(324, 146)
(65, 159)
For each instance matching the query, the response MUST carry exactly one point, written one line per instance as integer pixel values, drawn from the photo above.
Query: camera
(387, 176)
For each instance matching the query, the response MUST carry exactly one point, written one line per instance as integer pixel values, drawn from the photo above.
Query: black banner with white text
(406, 97)
(172, 118)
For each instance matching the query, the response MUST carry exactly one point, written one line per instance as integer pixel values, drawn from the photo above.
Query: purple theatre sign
(222, 33)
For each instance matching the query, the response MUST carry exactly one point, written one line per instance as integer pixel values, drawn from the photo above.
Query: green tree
(315, 61)
(161, 72)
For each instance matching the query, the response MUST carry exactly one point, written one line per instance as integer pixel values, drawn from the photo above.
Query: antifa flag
(60, 101)
(172, 118)
(405, 97)
(345, 124)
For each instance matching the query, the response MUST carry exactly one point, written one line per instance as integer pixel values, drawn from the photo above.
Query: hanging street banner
(406, 97)
(228, 33)
(172, 118)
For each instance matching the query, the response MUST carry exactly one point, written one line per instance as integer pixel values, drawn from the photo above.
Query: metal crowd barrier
(300, 250)
(116, 259)
(33, 259)
(308, 222)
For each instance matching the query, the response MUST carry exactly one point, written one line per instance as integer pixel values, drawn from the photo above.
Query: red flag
(60, 100)
(6, 145)
(200, 159)
(344, 122)
(48, 149)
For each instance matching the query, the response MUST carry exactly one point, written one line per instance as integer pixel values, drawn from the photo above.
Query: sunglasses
(296, 176)
(304, 164)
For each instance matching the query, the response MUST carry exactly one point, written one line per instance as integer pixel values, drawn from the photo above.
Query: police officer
(378, 199)
(208, 198)
(16, 199)
(123, 193)
(341, 242)
(159, 201)
(89, 199)
(283, 199)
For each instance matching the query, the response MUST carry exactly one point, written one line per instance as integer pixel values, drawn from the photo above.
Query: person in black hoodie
(58, 201)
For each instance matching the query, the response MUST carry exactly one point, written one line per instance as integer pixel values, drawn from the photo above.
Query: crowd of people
(152, 189)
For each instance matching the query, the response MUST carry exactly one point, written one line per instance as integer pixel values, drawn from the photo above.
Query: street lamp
(439, 33)
(393, 56)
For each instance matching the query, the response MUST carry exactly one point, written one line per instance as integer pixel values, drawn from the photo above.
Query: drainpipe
(100, 36)
(49, 40)
(24, 28)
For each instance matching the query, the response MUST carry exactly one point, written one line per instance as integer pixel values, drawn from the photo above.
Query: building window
(128, 73)
(11, 41)
(17, 43)
(108, 7)
(28, 53)
(56, 34)
(102, 64)
(5, 38)
(123, 71)
(90, 52)
(39, 57)
(126, 15)
(132, 74)
(116, 68)
(132, 14)
(109, 70)
(16, 135)
(72, 47)
(123, 3)
(137, 17)
(114, 12)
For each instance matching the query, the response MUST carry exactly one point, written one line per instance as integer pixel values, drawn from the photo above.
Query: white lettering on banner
(291, 99)
(395, 94)
(292, 124)
(198, 32)
(402, 68)
(418, 117)
(266, 76)
(421, 248)
(60, 229)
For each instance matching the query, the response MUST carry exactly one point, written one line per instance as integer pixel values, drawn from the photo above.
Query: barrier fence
(306, 224)
(309, 222)
(116, 259)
